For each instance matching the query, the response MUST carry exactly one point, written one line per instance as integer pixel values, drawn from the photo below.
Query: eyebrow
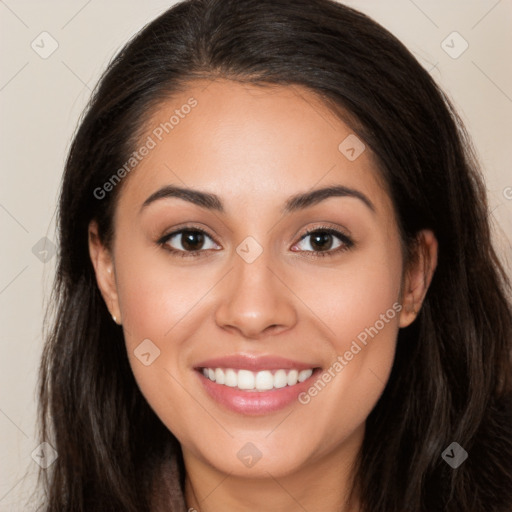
(297, 202)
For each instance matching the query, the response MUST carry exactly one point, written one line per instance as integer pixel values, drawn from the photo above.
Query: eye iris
(190, 240)
(320, 239)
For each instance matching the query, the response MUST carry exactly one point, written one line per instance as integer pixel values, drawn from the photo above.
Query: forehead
(249, 143)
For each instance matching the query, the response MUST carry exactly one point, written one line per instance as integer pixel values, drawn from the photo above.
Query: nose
(255, 300)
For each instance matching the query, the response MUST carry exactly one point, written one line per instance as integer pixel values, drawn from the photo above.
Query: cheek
(156, 301)
(359, 294)
(154, 295)
(358, 302)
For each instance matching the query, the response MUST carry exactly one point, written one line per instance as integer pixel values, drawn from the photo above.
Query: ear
(418, 276)
(103, 264)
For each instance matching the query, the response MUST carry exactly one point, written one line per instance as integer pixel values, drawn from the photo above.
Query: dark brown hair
(451, 379)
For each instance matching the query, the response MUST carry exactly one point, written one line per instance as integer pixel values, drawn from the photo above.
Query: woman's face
(260, 303)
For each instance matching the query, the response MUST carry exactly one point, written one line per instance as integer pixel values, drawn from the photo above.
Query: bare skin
(254, 148)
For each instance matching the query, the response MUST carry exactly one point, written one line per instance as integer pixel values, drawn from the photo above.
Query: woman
(276, 288)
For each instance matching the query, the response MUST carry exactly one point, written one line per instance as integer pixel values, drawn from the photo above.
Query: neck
(323, 483)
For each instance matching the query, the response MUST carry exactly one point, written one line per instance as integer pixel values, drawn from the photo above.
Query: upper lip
(254, 363)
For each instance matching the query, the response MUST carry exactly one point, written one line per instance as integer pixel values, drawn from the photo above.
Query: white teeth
(256, 381)
(292, 377)
(219, 376)
(230, 378)
(264, 381)
(245, 379)
(305, 374)
(280, 379)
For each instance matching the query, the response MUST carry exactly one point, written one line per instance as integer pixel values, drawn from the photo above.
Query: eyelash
(347, 243)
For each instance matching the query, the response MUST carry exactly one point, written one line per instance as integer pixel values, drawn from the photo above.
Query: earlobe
(103, 264)
(418, 276)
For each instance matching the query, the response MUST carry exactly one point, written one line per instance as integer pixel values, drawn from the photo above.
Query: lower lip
(255, 402)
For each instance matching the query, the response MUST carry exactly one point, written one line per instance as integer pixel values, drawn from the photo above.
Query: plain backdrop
(42, 96)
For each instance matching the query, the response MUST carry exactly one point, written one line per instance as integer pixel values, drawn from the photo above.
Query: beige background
(41, 100)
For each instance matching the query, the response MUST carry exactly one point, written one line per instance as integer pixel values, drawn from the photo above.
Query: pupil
(320, 239)
(191, 239)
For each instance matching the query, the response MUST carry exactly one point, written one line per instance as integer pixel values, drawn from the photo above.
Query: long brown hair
(451, 380)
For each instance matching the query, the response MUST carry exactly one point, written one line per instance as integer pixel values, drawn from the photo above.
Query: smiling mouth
(264, 380)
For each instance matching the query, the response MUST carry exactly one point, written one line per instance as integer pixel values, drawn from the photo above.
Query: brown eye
(192, 240)
(322, 242)
(187, 241)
